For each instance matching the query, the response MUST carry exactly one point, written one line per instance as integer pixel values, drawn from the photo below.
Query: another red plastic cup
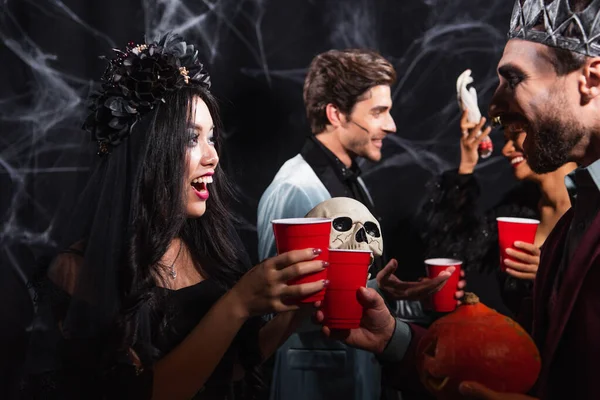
(347, 272)
(444, 300)
(303, 233)
(511, 230)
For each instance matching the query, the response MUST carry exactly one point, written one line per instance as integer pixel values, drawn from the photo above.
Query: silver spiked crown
(555, 24)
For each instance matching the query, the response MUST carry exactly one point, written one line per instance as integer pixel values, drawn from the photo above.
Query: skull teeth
(356, 246)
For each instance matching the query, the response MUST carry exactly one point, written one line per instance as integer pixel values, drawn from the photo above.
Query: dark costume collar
(320, 158)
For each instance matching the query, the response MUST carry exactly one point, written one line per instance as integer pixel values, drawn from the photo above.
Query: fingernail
(317, 251)
(325, 264)
(517, 243)
(506, 261)
(325, 282)
(509, 251)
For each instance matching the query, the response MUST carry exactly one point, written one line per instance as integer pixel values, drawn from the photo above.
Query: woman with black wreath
(151, 291)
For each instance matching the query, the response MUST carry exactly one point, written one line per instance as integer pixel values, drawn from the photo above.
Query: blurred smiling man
(347, 96)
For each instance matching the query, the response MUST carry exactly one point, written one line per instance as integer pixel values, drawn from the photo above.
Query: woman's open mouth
(517, 160)
(199, 186)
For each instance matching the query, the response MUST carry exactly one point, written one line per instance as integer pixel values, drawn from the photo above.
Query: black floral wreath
(136, 81)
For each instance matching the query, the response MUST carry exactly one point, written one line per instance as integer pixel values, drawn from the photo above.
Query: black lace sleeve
(61, 366)
(512, 290)
(451, 224)
(119, 379)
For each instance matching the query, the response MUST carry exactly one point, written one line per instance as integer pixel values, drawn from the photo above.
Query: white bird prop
(467, 100)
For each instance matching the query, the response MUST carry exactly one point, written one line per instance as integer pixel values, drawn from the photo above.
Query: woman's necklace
(173, 272)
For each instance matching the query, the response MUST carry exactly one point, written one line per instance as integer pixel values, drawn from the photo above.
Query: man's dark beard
(552, 144)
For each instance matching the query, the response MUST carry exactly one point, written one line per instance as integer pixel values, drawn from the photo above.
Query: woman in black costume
(455, 226)
(151, 290)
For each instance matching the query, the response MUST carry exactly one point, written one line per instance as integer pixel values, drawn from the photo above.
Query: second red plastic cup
(511, 230)
(347, 272)
(444, 300)
(303, 233)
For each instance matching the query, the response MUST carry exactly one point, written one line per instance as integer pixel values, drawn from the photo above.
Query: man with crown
(550, 83)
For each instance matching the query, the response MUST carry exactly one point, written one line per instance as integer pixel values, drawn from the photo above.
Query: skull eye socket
(372, 229)
(342, 224)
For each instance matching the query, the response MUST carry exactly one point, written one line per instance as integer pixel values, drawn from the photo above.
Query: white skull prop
(352, 227)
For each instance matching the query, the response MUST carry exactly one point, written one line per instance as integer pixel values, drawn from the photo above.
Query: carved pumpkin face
(476, 343)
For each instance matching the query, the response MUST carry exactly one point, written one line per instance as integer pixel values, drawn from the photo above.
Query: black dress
(453, 226)
(186, 307)
(180, 311)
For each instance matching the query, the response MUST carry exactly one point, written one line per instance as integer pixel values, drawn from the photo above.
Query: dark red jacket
(569, 339)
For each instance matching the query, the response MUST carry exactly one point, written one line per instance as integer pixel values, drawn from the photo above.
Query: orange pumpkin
(476, 343)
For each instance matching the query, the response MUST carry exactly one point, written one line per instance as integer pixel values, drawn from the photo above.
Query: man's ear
(589, 80)
(334, 115)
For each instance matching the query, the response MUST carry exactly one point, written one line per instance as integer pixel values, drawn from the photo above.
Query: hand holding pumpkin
(376, 326)
(477, 344)
(528, 261)
(397, 289)
(474, 390)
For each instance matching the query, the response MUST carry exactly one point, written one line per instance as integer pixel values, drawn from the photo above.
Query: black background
(257, 53)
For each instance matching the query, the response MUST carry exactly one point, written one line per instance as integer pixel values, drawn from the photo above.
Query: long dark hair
(109, 245)
(130, 208)
(158, 213)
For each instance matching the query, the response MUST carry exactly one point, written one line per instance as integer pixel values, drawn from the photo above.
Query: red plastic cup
(443, 300)
(303, 233)
(347, 271)
(511, 230)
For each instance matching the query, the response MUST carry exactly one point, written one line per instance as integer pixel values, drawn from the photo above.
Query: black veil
(94, 312)
(77, 295)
